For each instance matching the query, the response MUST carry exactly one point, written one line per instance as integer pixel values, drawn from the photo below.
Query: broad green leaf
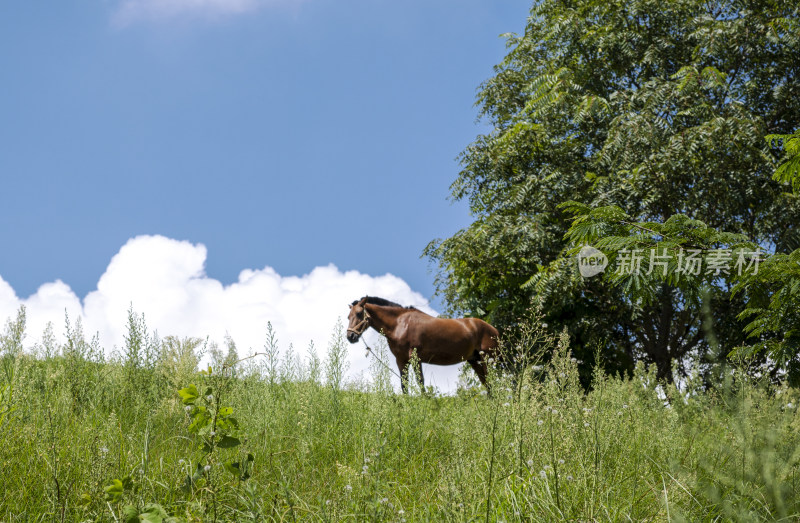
(199, 472)
(153, 513)
(200, 421)
(127, 483)
(233, 468)
(113, 491)
(227, 423)
(228, 442)
(188, 482)
(130, 514)
(189, 395)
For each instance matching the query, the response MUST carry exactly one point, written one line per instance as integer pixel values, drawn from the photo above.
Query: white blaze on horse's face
(358, 322)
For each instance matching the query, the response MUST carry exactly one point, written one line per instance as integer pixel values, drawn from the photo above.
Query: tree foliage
(773, 294)
(655, 108)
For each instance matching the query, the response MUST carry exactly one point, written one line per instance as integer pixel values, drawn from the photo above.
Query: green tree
(773, 293)
(769, 287)
(658, 108)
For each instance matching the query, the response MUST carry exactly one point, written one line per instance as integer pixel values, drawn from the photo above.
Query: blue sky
(288, 134)
(153, 152)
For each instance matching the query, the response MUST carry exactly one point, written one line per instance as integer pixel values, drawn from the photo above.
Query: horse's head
(358, 320)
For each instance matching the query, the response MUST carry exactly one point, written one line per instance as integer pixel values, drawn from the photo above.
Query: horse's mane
(381, 302)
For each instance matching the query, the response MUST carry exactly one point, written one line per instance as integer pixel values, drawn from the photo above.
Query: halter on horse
(436, 341)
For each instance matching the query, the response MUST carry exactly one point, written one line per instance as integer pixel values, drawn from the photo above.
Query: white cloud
(165, 280)
(136, 10)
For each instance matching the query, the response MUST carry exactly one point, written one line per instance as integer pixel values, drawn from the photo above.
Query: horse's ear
(350, 305)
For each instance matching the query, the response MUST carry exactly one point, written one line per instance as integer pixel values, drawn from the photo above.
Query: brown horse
(436, 340)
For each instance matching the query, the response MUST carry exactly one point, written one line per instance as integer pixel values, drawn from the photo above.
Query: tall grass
(539, 448)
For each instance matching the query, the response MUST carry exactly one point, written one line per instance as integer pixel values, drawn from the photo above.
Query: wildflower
(790, 405)
(569, 477)
(364, 470)
(544, 325)
(209, 398)
(188, 408)
(506, 404)
(537, 367)
(619, 413)
(366, 460)
(483, 393)
(546, 467)
(555, 411)
(348, 488)
(181, 462)
(327, 502)
(401, 512)
(561, 462)
(103, 450)
(542, 474)
(539, 422)
(624, 406)
(212, 433)
(530, 463)
(207, 468)
(586, 424)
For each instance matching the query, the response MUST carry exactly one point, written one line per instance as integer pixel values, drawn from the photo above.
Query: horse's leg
(488, 351)
(420, 379)
(402, 365)
(478, 364)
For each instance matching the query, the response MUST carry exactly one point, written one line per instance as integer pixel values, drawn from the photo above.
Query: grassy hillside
(277, 439)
